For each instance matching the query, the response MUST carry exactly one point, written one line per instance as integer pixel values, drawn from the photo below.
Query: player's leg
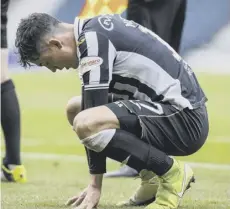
(96, 124)
(12, 170)
(100, 130)
(73, 107)
(129, 119)
(130, 122)
(97, 127)
(175, 133)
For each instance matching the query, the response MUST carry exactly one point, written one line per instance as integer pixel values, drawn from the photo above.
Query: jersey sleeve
(97, 55)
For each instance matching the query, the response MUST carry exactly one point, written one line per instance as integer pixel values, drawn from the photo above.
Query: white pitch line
(219, 139)
(47, 156)
(82, 159)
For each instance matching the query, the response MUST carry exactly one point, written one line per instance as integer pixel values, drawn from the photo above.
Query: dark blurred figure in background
(166, 19)
(12, 170)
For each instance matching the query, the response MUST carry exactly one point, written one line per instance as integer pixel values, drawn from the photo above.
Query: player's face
(56, 56)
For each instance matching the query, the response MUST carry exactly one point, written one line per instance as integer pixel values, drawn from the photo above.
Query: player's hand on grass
(77, 200)
(88, 199)
(91, 199)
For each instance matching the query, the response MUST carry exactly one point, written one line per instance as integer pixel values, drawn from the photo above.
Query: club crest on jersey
(106, 22)
(89, 63)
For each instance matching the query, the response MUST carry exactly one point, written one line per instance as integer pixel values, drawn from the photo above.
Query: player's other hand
(88, 198)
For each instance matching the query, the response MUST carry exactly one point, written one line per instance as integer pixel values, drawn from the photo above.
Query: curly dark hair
(29, 34)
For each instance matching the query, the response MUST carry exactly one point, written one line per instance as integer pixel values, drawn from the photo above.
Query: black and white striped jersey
(132, 62)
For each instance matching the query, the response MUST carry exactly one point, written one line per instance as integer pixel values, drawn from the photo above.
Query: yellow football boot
(145, 194)
(13, 173)
(172, 186)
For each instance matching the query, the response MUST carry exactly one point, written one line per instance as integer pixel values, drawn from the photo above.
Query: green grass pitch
(52, 179)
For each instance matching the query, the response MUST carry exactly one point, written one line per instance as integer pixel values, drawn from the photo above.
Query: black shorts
(4, 9)
(177, 133)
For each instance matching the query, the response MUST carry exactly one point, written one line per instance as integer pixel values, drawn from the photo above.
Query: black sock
(10, 120)
(121, 155)
(142, 155)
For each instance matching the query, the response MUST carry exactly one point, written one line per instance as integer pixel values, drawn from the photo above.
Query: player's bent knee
(73, 107)
(94, 120)
(82, 124)
(74, 104)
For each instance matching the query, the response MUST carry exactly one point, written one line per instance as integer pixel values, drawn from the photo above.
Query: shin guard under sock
(142, 154)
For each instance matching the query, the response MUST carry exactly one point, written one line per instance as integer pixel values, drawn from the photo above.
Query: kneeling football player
(161, 109)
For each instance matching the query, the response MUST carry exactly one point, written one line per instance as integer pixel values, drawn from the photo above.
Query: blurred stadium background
(43, 95)
(205, 41)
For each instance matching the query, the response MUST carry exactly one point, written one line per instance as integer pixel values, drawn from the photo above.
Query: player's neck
(64, 27)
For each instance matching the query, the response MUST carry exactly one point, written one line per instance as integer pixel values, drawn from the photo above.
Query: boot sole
(145, 203)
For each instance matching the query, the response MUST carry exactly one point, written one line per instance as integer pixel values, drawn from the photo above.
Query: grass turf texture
(52, 182)
(43, 97)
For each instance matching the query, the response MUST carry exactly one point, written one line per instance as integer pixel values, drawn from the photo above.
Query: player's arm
(96, 161)
(97, 55)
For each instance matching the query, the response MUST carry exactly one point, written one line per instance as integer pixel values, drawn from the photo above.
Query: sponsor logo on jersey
(106, 22)
(89, 63)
